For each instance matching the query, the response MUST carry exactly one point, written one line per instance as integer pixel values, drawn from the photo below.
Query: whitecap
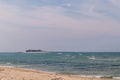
(59, 53)
(80, 54)
(92, 58)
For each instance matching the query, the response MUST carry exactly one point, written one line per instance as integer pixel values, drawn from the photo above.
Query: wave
(5, 63)
(59, 53)
(101, 76)
(116, 78)
(103, 59)
(80, 54)
(92, 58)
(111, 59)
(8, 63)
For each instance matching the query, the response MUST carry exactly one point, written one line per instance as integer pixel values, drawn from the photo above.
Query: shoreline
(14, 73)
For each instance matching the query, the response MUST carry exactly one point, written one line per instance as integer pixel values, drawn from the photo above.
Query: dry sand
(10, 73)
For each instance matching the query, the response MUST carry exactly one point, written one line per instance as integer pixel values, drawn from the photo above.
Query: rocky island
(30, 50)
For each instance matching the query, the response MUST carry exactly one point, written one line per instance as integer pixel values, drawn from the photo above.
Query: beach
(60, 66)
(12, 73)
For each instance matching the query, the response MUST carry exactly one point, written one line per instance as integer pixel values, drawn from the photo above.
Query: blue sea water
(77, 63)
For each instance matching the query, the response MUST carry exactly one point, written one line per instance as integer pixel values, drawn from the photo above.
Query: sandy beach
(11, 73)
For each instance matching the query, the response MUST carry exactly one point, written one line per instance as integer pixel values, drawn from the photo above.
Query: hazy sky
(64, 25)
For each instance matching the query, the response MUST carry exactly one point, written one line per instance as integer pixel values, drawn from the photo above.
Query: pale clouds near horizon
(65, 25)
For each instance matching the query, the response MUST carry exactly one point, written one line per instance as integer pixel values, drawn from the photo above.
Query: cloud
(7, 12)
(50, 17)
(115, 2)
(58, 26)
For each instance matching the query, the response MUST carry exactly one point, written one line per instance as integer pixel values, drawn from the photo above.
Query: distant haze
(60, 25)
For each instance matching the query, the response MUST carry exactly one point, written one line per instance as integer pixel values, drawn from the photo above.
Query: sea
(73, 63)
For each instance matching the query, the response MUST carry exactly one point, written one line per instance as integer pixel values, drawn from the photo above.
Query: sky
(60, 25)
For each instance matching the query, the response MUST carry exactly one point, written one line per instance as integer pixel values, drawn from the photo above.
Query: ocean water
(76, 63)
